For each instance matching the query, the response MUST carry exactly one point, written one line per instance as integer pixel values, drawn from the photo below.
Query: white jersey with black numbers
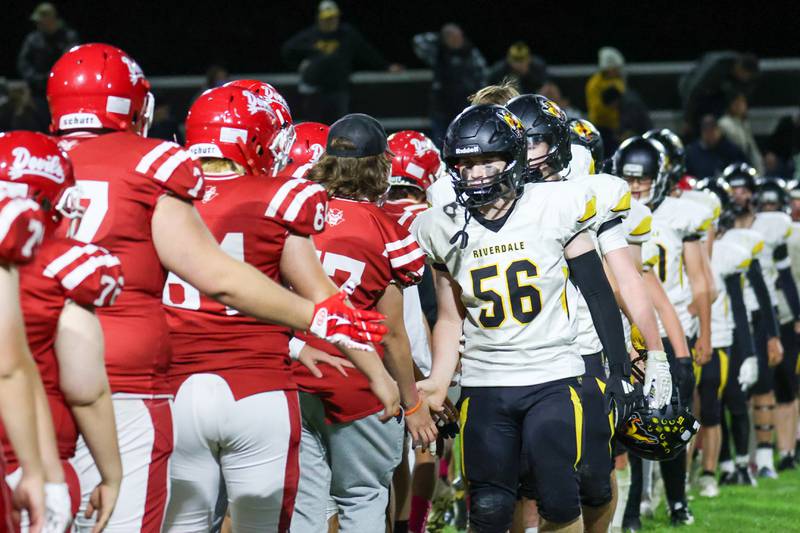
(638, 224)
(729, 258)
(776, 228)
(753, 241)
(613, 201)
(513, 278)
(675, 221)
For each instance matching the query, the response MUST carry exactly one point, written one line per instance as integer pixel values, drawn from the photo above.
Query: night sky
(175, 37)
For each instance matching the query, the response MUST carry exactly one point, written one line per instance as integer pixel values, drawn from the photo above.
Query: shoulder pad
(21, 229)
(298, 204)
(174, 168)
(88, 274)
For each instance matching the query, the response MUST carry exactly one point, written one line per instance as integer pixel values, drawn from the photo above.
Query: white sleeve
(416, 330)
(612, 239)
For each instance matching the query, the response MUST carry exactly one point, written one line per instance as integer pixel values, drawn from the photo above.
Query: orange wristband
(415, 408)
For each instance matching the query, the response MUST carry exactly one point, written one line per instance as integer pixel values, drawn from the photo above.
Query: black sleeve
(586, 272)
(787, 284)
(608, 224)
(427, 296)
(756, 279)
(741, 331)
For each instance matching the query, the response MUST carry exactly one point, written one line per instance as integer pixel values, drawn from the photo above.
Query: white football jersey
(613, 201)
(753, 241)
(730, 258)
(776, 228)
(513, 278)
(416, 329)
(581, 163)
(708, 199)
(674, 221)
(441, 192)
(638, 223)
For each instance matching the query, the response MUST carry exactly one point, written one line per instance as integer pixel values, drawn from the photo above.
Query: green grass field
(773, 507)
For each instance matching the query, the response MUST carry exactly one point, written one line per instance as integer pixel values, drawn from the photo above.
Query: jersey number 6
(524, 300)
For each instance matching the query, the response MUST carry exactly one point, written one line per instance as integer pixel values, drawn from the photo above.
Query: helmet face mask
(480, 183)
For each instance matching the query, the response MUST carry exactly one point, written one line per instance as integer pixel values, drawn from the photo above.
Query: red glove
(335, 322)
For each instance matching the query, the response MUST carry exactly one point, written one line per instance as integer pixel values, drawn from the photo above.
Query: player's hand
(29, 496)
(58, 508)
(657, 379)
(434, 393)
(621, 397)
(774, 351)
(311, 357)
(102, 501)
(702, 349)
(421, 426)
(748, 373)
(385, 388)
(336, 322)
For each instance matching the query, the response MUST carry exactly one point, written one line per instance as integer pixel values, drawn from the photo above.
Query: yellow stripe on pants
(462, 419)
(578, 410)
(724, 362)
(602, 387)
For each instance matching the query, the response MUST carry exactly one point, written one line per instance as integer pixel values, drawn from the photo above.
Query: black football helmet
(584, 133)
(657, 434)
(770, 190)
(676, 153)
(638, 157)
(543, 121)
(489, 130)
(722, 190)
(740, 175)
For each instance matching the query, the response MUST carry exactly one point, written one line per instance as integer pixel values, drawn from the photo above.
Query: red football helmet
(309, 145)
(32, 165)
(233, 123)
(282, 144)
(416, 161)
(96, 86)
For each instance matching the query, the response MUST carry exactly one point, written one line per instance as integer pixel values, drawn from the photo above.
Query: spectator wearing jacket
(42, 47)
(459, 70)
(325, 54)
(527, 71)
(711, 152)
(605, 88)
(736, 128)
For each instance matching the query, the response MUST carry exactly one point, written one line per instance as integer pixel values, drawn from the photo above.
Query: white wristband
(295, 347)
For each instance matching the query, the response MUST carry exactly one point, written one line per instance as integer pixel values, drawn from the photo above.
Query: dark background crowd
(493, 42)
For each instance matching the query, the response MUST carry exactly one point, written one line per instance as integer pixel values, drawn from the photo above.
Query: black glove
(684, 370)
(622, 397)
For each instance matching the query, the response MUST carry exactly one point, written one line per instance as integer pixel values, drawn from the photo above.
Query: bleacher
(400, 100)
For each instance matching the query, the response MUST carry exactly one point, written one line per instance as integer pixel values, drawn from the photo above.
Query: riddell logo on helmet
(24, 163)
(256, 103)
(471, 149)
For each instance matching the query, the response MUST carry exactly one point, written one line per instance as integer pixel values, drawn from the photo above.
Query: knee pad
(559, 507)
(491, 510)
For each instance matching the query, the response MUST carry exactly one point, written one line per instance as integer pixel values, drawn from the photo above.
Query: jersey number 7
(524, 300)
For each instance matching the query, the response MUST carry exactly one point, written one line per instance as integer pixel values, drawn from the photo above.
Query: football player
(504, 254)
(774, 227)
(675, 253)
(549, 154)
(308, 147)
(59, 290)
(140, 193)
(23, 228)
(348, 454)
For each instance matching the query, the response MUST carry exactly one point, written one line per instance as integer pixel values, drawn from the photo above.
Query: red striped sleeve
(21, 229)
(88, 274)
(406, 258)
(299, 205)
(173, 167)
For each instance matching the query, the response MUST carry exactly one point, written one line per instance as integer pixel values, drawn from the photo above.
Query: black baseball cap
(366, 134)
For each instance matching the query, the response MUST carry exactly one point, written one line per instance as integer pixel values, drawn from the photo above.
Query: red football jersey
(404, 211)
(364, 245)
(21, 229)
(63, 269)
(250, 216)
(123, 176)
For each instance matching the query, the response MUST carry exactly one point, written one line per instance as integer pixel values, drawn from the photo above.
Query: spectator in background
(711, 152)
(459, 70)
(782, 155)
(18, 112)
(703, 89)
(634, 117)
(736, 128)
(527, 71)
(604, 88)
(42, 47)
(325, 55)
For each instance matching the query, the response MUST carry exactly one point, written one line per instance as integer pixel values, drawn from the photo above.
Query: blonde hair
(496, 94)
(357, 178)
(218, 165)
